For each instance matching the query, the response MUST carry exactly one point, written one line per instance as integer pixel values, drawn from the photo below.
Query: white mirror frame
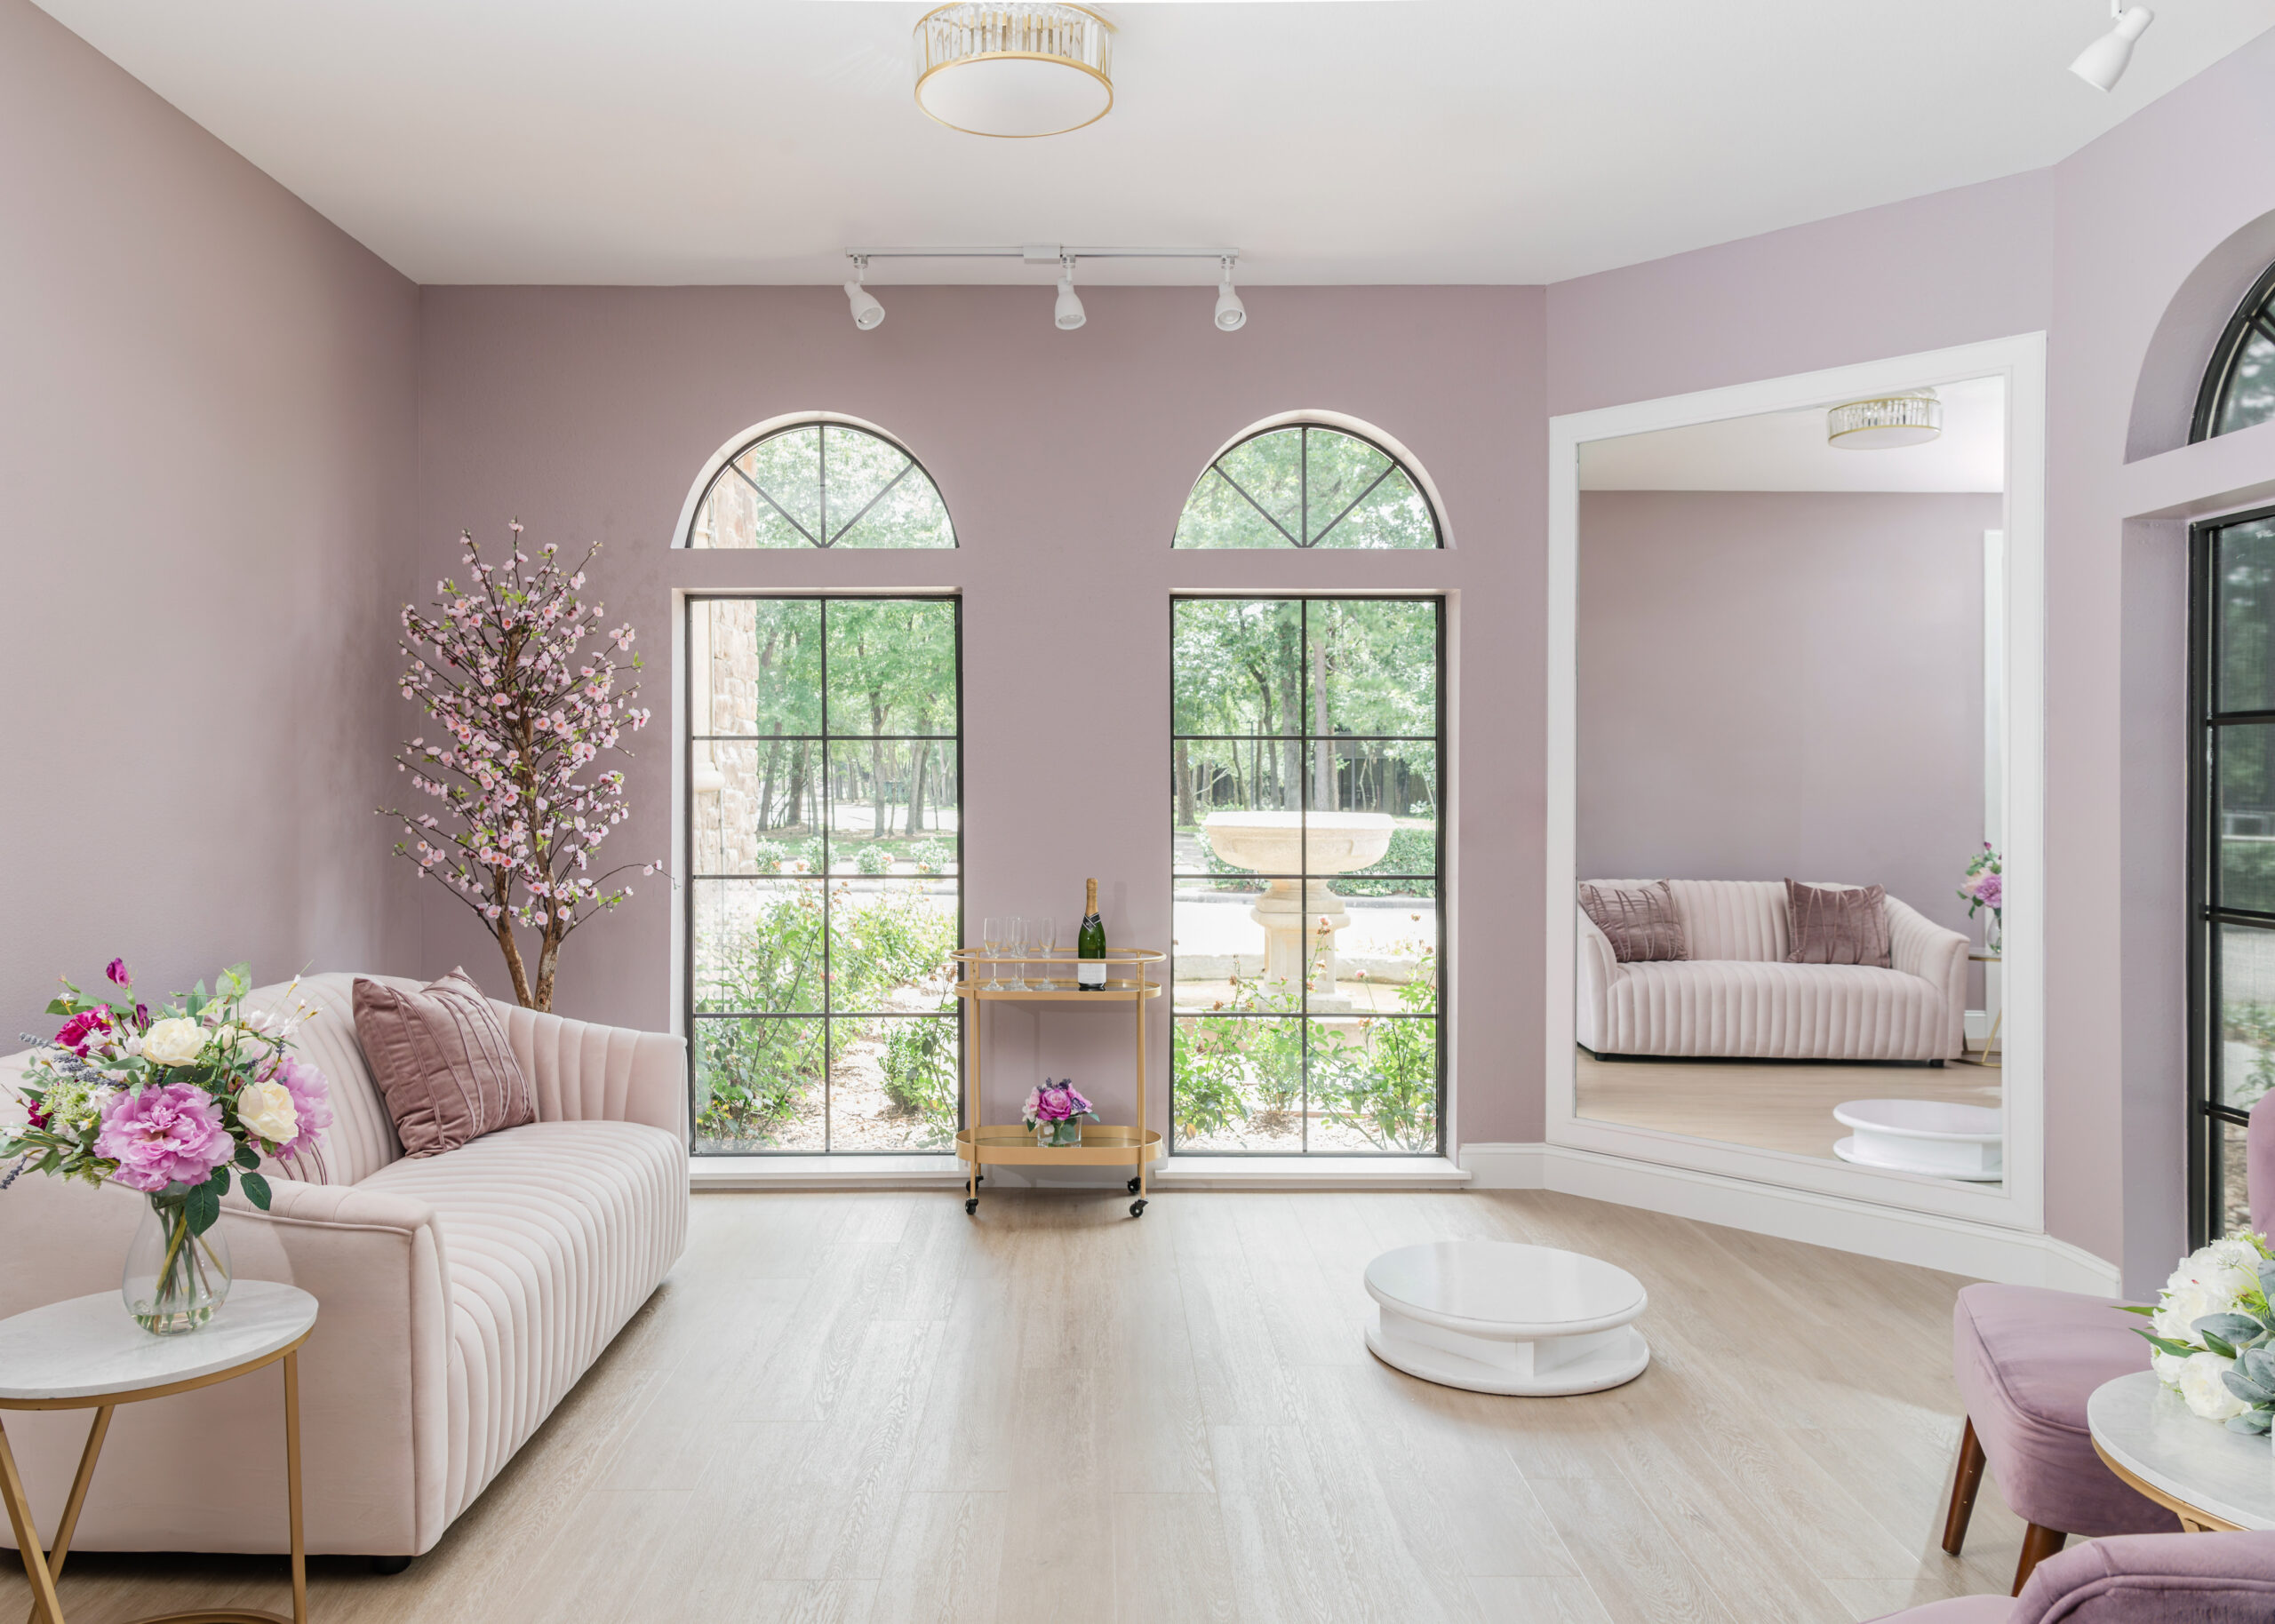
(2018, 1204)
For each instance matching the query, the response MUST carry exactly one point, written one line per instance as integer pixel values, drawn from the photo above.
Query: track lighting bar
(1068, 314)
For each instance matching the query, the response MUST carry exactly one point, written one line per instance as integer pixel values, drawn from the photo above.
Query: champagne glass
(991, 937)
(1014, 939)
(1042, 936)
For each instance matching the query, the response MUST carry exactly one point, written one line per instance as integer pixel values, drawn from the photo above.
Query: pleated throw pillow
(1838, 924)
(1640, 920)
(441, 1059)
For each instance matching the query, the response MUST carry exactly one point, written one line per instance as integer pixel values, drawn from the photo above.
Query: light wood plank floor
(868, 1408)
(1769, 1106)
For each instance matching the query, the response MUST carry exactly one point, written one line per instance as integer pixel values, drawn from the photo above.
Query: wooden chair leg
(1964, 1483)
(2038, 1545)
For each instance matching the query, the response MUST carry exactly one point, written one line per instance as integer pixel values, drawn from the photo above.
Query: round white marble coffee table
(1924, 1136)
(2216, 1481)
(1495, 1316)
(86, 1353)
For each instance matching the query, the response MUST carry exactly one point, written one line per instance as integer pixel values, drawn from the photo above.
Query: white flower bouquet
(2214, 1333)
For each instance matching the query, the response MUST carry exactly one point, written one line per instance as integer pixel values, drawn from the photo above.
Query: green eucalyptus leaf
(2255, 1422)
(2228, 1327)
(256, 1188)
(2244, 1388)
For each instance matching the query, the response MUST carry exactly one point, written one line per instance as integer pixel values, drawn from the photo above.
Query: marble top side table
(2216, 1481)
(86, 1354)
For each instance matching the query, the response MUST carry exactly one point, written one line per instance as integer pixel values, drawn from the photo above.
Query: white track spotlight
(867, 312)
(2102, 63)
(1068, 313)
(1231, 315)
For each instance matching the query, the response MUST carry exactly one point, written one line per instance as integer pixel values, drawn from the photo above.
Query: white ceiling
(1359, 141)
(1787, 450)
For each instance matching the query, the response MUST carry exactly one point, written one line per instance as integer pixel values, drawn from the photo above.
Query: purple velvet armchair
(2026, 1359)
(2140, 1578)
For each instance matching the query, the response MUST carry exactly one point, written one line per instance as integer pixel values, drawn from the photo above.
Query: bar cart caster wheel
(971, 1205)
(1137, 1207)
(1133, 1187)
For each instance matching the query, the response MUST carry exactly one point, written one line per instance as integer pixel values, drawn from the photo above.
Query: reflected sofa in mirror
(1788, 776)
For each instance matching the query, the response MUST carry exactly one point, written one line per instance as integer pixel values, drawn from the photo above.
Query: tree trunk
(793, 805)
(1186, 818)
(879, 822)
(916, 788)
(548, 959)
(766, 788)
(499, 894)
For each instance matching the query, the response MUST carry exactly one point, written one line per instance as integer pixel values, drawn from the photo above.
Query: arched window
(827, 484)
(1307, 485)
(2239, 384)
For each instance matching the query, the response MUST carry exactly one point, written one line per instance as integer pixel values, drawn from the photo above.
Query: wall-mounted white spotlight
(867, 312)
(1231, 315)
(2102, 63)
(1068, 313)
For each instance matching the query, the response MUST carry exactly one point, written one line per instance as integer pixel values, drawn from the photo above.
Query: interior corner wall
(206, 415)
(1781, 684)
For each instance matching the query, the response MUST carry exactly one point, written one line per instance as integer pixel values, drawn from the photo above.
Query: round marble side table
(2217, 1481)
(86, 1354)
(1495, 1317)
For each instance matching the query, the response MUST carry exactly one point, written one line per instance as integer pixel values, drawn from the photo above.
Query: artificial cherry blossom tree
(527, 711)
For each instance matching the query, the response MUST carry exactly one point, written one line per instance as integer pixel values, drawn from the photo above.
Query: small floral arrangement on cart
(2214, 1332)
(166, 1104)
(1055, 1112)
(1984, 885)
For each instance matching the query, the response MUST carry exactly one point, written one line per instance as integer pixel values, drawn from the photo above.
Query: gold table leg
(42, 1567)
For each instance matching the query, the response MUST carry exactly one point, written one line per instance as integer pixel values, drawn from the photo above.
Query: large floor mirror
(1790, 854)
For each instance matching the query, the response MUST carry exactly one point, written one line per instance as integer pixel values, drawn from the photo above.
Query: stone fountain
(1293, 911)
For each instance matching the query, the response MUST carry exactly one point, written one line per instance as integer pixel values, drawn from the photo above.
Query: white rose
(267, 1108)
(2206, 1395)
(2183, 1305)
(175, 1041)
(2167, 1367)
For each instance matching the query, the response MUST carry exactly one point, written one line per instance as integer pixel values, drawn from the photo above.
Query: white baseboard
(841, 1172)
(1311, 1172)
(1956, 1245)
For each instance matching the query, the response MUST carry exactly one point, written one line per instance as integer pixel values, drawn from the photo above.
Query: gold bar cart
(1103, 1145)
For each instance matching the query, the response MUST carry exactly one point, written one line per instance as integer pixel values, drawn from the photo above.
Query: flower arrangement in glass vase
(1055, 1112)
(2214, 1332)
(166, 1104)
(1984, 885)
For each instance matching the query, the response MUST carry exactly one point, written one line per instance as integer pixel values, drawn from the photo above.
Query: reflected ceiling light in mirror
(1016, 68)
(1887, 423)
(2102, 63)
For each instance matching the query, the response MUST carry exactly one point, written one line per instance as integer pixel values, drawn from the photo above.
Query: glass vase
(174, 1280)
(1055, 1136)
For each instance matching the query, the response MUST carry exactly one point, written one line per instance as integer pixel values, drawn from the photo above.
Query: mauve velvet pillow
(1639, 921)
(441, 1058)
(1838, 924)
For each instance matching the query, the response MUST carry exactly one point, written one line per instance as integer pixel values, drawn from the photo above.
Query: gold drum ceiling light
(1882, 424)
(1014, 67)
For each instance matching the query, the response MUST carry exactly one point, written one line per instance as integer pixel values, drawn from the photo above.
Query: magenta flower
(119, 974)
(1990, 889)
(310, 1099)
(164, 1135)
(81, 1028)
(1057, 1102)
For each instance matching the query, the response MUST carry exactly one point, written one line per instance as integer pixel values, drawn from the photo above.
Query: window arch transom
(825, 484)
(2239, 384)
(1306, 485)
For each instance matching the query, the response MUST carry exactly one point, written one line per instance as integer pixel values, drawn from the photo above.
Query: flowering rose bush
(502, 670)
(2214, 1333)
(168, 1106)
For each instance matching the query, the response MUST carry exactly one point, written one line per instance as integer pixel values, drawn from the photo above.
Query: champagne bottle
(1090, 973)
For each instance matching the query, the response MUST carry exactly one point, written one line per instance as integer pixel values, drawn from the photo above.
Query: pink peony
(310, 1099)
(1990, 889)
(164, 1135)
(81, 1029)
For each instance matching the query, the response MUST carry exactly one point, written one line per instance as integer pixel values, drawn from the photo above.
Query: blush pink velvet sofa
(1735, 998)
(462, 1296)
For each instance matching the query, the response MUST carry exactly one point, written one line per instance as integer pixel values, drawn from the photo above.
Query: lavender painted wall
(1777, 683)
(1064, 459)
(206, 401)
(2095, 250)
